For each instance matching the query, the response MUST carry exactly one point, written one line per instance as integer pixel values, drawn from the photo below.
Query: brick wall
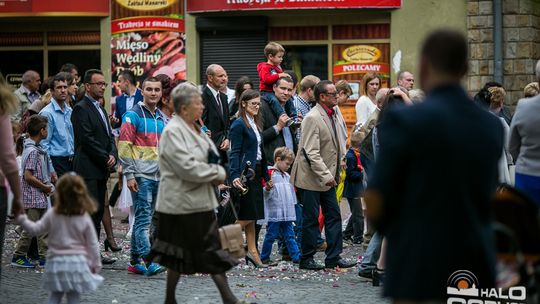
(521, 45)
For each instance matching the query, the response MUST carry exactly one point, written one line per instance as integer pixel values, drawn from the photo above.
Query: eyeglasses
(331, 94)
(99, 84)
(255, 104)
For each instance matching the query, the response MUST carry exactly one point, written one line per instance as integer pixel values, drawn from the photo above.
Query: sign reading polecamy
(147, 45)
(196, 6)
(343, 69)
(360, 59)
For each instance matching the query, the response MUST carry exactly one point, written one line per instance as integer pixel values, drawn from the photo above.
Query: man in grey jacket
(27, 93)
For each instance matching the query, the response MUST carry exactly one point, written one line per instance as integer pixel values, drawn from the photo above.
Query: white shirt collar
(214, 92)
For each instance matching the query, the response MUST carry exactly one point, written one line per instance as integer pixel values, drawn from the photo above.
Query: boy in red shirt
(269, 72)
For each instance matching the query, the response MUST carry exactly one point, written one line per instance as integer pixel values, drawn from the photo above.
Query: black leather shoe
(311, 265)
(341, 263)
(366, 274)
(106, 260)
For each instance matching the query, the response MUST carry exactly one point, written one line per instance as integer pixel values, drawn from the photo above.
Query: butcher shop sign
(148, 38)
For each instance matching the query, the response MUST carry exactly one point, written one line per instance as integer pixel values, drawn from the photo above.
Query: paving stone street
(284, 283)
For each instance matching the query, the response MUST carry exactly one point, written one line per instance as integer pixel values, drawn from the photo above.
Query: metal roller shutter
(238, 50)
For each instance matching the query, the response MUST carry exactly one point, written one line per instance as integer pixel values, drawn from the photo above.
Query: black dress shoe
(366, 274)
(106, 260)
(311, 265)
(341, 263)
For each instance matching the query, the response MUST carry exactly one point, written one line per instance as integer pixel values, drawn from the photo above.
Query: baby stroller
(517, 231)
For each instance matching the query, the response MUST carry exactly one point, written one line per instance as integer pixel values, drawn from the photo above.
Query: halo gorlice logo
(462, 288)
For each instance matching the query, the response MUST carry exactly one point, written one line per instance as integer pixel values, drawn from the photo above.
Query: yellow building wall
(410, 24)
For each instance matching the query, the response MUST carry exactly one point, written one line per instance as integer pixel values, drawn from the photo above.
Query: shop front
(330, 39)
(42, 35)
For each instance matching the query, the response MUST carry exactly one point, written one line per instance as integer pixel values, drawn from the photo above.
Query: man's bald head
(217, 77)
(405, 79)
(31, 80)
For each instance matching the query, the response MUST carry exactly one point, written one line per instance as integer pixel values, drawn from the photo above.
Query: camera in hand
(247, 174)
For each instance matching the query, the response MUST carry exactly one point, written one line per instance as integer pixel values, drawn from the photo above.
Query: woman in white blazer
(187, 239)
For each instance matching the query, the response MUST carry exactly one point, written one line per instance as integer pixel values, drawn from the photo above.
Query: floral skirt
(70, 273)
(189, 243)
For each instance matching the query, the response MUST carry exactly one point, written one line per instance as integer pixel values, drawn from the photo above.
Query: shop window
(288, 33)
(361, 31)
(15, 63)
(73, 38)
(83, 59)
(16, 39)
(307, 60)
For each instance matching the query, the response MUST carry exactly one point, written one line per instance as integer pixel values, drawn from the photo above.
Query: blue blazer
(353, 180)
(244, 149)
(121, 105)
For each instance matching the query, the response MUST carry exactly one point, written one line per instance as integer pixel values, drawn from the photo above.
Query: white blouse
(257, 134)
(364, 108)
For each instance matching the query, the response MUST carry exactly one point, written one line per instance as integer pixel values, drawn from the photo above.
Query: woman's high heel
(108, 246)
(257, 264)
(378, 276)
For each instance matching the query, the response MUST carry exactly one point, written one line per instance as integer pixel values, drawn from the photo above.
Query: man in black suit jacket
(275, 132)
(433, 181)
(95, 151)
(216, 109)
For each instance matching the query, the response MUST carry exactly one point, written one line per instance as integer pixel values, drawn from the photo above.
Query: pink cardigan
(8, 164)
(68, 235)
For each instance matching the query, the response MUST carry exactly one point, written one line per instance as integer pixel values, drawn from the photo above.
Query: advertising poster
(148, 38)
(351, 62)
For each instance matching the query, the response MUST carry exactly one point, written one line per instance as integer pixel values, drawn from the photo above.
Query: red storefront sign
(54, 7)
(199, 6)
(361, 68)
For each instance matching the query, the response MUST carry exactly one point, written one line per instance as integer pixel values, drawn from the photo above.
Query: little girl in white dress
(73, 259)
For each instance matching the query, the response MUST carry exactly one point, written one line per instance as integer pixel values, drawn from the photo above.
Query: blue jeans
(273, 231)
(144, 202)
(369, 261)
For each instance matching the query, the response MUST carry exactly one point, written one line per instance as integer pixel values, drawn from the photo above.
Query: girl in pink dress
(73, 259)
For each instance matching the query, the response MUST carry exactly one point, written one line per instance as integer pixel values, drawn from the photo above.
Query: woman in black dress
(247, 153)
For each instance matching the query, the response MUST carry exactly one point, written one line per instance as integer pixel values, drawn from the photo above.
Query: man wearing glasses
(95, 151)
(316, 173)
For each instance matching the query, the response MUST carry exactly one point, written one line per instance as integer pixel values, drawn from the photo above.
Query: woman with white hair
(187, 239)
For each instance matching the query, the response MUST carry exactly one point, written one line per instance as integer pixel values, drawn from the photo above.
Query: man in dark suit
(275, 132)
(95, 151)
(131, 95)
(216, 109)
(436, 173)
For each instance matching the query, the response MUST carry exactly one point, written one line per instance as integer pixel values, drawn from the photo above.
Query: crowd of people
(418, 170)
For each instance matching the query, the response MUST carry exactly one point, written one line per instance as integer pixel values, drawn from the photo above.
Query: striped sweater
(139, 141)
